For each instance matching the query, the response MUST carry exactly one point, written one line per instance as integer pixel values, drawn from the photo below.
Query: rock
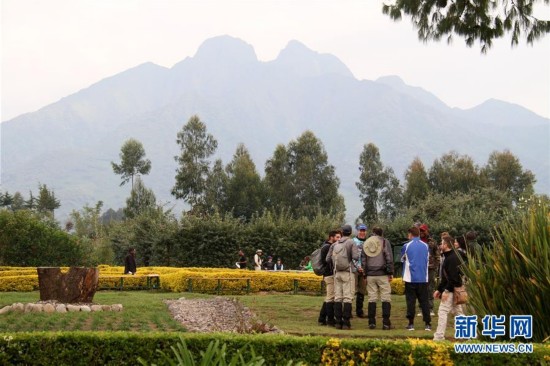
(85, 308)
(106, 308)
(37, 308)
(61, 308)
(49, 308)
(28, 308)
(18, 307)
(116, 307)
(96, 308)
(6, 309)
(73, 308)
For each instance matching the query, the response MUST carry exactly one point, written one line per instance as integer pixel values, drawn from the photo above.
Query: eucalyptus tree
(417, 185)
(132, 161)
(196, 147)
(504, 172)
(140, 200)
(244, 189)
(379, 188)
(299, 178)
(215, 195)
(454, 173)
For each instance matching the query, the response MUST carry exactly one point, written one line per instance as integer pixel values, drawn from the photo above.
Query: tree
(196, 147)
(454, 173)
(92, 234)
(46, 201)
(481, 20)
(299, 178)
(215, 191)
(244, 192)
(141, 199)
(132, 161)
(277, 178)
(18, 203)
(391, 197)
(6, 200)
(417, 185)
(379, 189)
(27, 240)
(30, 204)
(504, 172)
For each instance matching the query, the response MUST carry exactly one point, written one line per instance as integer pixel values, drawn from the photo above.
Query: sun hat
(372, 246)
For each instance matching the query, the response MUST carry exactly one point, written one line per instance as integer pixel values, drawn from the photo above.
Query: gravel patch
(219, 314)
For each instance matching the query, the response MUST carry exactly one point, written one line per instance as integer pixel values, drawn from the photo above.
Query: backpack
(340, 257)
(317, 263)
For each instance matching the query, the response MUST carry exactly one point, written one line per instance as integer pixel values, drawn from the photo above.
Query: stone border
(55, 307)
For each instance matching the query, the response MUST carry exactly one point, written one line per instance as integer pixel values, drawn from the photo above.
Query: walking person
(326, 315)
(414, 256)
(130, 266)
(342, 254)
(358, 273)
(258, 260)
(378, 264)
(450, 279)
(242, 260)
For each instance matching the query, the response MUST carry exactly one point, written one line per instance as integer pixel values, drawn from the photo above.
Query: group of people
(355, 267)
(269, 265)
(359, 266)
(260, 264)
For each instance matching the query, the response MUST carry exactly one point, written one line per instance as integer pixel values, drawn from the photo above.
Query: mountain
(69, 145)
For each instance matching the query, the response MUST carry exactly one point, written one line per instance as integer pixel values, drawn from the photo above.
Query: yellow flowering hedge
(414, 351)
(184, 279)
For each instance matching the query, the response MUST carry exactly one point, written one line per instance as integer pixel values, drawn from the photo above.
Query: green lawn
(297, 314)
(144, 311)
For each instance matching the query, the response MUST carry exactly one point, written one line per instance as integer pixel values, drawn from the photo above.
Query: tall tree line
(299, 180)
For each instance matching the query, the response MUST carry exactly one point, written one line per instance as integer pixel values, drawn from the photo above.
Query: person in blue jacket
(415, 255)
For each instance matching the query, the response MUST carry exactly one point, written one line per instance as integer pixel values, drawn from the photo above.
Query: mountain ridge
(260, 104)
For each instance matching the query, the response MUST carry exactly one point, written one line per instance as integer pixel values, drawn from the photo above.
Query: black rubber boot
(330, 314)
(323, 314)
(359, 300)
(371, 314)
(386, 312)
(338, 315)
(346, 315)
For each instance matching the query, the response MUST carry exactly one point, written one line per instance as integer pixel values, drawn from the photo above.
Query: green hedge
(123, 348)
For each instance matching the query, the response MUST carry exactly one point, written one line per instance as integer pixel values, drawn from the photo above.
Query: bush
(122, 348)
(204, 280)
(514, 280)
(27, 240)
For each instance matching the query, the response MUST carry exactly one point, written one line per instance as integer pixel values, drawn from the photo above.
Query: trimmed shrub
(123, 348)
(27, 240)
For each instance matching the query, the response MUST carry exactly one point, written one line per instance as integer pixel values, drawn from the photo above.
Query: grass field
(144, 311)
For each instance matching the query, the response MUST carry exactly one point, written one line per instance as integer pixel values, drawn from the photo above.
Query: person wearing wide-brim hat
(378, 262)
(258, 260)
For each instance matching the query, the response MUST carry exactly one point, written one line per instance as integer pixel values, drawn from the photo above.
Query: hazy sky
(53, 48)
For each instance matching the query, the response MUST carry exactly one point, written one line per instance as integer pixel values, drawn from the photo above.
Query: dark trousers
(418, 291)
